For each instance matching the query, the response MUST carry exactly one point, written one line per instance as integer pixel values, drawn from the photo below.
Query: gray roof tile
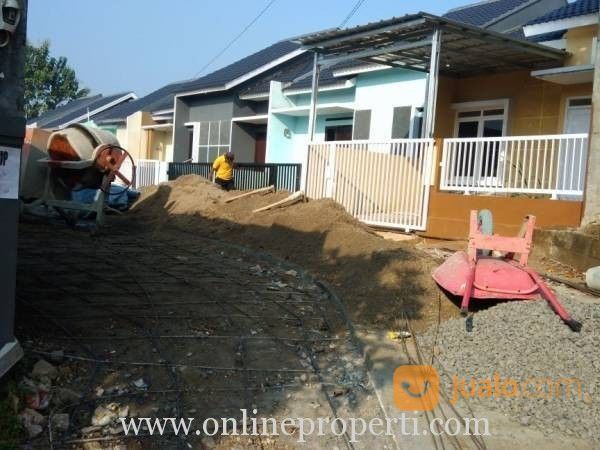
(577, 8)
(484, 12)
(74, 109)
(163, 98)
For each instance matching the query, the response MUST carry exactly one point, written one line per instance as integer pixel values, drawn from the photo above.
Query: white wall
(121, 133)
(379, 92)
(384, 90)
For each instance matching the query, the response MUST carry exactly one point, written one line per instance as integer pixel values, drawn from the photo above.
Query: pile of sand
(380, 280)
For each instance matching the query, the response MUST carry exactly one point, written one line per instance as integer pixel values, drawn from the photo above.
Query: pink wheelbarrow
(479, 275)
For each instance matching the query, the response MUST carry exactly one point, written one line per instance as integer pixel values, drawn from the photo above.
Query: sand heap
(380, 280)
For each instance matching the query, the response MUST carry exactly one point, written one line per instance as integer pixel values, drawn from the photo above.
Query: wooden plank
(247, 194)
(294, 198)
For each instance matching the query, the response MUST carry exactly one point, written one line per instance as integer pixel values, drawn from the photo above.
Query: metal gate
(380, 183)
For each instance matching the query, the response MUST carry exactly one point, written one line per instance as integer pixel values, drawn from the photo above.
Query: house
(145, 126)
(80, 110)
(265, 124)
(411, 122)
(575, 29)
(363, 99)
(504, 119)
(210, 117)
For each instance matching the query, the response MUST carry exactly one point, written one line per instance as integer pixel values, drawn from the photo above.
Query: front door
(338, 133)
(579, 113)
(573, 159)
(260, 148)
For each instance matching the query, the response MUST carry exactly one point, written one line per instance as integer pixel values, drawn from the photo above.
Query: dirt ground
(174, 325)
(381, 281)
(187, 306)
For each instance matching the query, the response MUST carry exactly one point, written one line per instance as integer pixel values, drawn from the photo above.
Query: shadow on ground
(202, 314)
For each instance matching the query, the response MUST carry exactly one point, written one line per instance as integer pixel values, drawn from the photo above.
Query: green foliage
(11, 430)
(49, 81)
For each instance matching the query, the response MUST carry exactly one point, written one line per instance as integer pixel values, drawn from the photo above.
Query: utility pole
(13, 14)
(592, 186)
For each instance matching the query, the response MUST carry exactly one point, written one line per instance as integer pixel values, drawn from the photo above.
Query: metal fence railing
(150, 172)
(285, 177)
(550, 164)
(380, 183)
(179, 169)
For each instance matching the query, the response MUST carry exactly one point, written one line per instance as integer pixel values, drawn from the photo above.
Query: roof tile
(163, 98)
(577, 8)
(73, 109)
(482, 13)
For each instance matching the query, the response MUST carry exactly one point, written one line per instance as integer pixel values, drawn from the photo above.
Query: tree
(49, 81)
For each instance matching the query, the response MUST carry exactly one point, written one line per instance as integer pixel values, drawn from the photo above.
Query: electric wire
(353, 11)
(236, 38)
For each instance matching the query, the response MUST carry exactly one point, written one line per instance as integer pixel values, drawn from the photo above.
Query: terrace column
(432, 83)
(592, 185)
(312, 116)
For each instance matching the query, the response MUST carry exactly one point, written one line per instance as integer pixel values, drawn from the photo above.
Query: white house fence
(380, 183)
(547, 164)
(150, 172)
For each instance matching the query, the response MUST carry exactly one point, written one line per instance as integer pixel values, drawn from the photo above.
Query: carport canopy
(407, 42)
(426, 43)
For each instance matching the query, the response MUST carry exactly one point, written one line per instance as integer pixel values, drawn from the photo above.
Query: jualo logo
(416, 388)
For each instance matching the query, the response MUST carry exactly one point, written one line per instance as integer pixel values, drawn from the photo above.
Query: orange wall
(535, 106)
(449, 213)
(579, 44)
(448, 216)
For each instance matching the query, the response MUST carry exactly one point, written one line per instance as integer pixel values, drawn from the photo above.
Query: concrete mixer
(82, 158)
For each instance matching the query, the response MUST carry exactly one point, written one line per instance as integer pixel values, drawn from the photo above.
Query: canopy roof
(406, 42)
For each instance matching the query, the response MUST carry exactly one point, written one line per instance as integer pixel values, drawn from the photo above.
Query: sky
(140, 45)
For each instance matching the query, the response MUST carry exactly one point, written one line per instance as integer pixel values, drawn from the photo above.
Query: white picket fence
(547, 164)
(150, 172)
(380, 183)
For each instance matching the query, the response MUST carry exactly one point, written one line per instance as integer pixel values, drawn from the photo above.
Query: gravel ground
(524, 340)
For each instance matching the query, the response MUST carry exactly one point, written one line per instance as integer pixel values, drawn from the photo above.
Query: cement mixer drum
(78, 142)
(87, 157)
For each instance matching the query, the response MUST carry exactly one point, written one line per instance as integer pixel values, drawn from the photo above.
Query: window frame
(203, 148)
(481, 106)
(568, 107)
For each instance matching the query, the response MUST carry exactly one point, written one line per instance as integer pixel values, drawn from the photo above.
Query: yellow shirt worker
(223, 167)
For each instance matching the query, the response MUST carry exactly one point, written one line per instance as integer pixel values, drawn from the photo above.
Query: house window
(401, 122)
(407, 122)
(362, 124)
(580, 101)
(481, 119)
(477, 120)
(213, 139)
